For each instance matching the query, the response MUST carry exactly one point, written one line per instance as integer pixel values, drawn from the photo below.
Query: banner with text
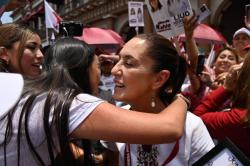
(167, 15)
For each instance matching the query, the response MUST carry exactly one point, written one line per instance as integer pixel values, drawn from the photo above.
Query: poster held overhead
(203, 13)
(135, 13)
(168, 15)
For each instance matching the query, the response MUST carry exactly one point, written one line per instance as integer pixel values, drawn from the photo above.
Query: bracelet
(187, 101)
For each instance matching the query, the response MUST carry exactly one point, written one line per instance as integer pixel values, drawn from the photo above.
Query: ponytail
(175, 82)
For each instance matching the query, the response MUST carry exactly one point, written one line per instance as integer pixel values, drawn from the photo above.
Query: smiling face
(133, 75)
(31, 60)
(224, 61)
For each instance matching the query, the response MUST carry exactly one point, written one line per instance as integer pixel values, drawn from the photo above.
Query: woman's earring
(153, 102)
(168, 90)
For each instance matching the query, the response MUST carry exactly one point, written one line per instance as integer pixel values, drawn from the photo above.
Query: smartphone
(203, 13)
(200, 65)
(70, 28)
(247, 8)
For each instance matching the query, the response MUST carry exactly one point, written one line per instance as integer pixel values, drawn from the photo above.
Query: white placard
(135, 13)
(167, 15)
(203, 13)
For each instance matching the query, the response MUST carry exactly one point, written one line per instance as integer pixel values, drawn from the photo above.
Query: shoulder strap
(172, 154)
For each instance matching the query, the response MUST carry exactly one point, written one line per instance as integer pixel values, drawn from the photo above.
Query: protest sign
(135, 12)
(203, 13)
(167, 15)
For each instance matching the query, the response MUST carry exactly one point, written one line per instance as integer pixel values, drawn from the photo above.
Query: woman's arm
(212, 102)
(221, 123)
(190, 23)
(108, 122)
(195, 83)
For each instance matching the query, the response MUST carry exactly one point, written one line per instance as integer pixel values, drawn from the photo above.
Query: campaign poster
(168, 15)
(135, 13)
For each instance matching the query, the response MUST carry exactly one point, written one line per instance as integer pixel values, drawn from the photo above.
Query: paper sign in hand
(203, 13)
(168, 15)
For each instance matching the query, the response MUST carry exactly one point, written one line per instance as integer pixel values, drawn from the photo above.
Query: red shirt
(224, 123)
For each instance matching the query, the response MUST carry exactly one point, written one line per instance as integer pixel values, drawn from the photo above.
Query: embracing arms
(112, 123)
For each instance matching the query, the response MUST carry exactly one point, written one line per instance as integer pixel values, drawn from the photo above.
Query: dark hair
(3, 66)
(241, 93)
(159, 6)
(165, 56)
(11, 33)
(65, 76)
(68, 53)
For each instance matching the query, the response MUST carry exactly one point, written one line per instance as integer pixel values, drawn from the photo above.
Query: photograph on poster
(155, 5)
(176, 7)
(167, 15)
(224, 153)
(135, 14)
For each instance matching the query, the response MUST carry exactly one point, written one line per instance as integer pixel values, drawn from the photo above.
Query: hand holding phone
(200, 64)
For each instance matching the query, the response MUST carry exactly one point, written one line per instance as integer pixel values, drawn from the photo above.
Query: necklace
(147, 155)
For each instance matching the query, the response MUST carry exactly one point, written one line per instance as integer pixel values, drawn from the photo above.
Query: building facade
(227, 15)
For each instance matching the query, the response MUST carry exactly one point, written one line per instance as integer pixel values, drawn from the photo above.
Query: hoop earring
(153, 102)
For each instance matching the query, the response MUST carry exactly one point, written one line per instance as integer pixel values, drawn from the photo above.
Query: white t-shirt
(194, 143)
(82, 106)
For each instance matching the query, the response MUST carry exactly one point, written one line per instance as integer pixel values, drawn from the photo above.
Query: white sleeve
(201, 140)
(82, 106)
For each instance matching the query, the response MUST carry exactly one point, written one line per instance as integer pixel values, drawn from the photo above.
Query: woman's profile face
(31, 60)
(132, 73)
(224, 61)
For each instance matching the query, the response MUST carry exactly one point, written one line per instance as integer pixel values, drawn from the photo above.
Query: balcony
(76, 7)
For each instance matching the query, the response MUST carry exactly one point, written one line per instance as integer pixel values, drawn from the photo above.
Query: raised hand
(232, 77)
(190, 23)
(220, 79)
(113, 57)
(206, 77)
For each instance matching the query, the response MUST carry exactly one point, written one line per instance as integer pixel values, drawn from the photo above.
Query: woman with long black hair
(57, 107)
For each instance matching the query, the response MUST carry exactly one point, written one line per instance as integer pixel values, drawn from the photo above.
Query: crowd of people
(131, 102)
